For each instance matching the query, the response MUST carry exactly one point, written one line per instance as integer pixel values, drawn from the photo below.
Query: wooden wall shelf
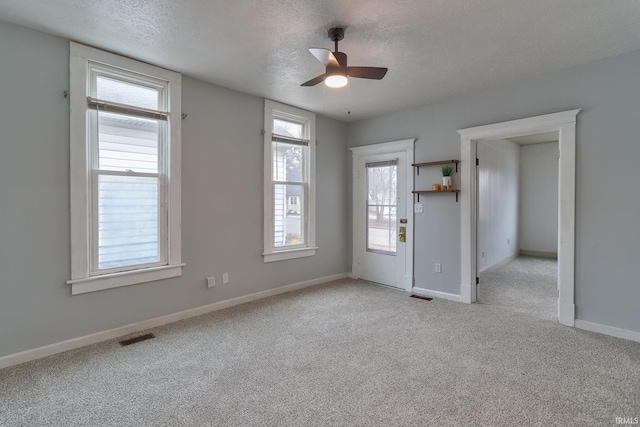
(418, 192)
(439, 162)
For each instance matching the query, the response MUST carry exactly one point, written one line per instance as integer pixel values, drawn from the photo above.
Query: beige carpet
(347, 353)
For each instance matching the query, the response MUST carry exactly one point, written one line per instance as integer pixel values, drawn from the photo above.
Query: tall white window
(289, 168)
(125, 171)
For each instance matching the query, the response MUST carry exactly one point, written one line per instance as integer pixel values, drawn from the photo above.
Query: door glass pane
(128, 225)
(381, 209)
(289, 215)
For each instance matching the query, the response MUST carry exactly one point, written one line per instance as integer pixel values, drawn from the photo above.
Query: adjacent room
(518, 220)
(290, 213)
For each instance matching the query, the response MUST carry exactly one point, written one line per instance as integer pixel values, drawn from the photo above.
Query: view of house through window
(289, 187)
(381, 206)
(289, 158)
(128, 191)
(126, 178)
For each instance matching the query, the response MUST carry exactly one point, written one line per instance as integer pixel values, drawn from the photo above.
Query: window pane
(126, 93)
(288, 162)
(288, 216)
(381, 209)
(290, 129)
(127, 143)
(128, 224)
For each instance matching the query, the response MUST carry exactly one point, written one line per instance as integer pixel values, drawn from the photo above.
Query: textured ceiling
(434, 49)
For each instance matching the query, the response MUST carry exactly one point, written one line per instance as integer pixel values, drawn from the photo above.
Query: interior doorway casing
(565, 124)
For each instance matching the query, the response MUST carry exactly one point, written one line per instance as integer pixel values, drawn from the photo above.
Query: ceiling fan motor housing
(342, 60)
(336, 34)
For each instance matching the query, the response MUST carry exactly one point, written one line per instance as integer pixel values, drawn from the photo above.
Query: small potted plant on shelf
(446, 177)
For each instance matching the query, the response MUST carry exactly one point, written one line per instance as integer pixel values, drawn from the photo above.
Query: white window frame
(271, 252)
(84, 60)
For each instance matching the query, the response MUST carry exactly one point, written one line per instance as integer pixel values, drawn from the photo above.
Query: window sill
(289, 254)
(125, 278)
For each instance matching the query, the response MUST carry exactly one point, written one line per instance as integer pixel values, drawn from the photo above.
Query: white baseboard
(542, 254)
(499, 264)
(48, 350)
(436, 294)
(608, 330)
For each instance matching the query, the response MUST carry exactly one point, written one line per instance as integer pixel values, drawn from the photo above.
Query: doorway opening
(517, 222)
(565, 124)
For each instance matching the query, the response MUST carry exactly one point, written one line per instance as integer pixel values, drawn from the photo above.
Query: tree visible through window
(382, 202)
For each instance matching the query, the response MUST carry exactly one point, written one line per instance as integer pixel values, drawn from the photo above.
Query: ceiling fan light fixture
(336, 81)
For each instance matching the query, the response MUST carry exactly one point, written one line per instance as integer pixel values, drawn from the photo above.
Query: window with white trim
(289, 177)
(125, 171)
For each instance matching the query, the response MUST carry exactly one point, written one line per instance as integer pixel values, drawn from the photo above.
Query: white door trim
(406, 146)
(563, 122)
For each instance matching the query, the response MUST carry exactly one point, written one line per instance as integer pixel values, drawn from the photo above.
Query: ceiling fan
(337, 70)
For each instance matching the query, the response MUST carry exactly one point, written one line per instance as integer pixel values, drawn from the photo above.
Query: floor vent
(421, 297)
(136, 339)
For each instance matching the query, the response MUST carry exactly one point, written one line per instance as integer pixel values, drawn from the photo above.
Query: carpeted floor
(346, 353)
(526, 285)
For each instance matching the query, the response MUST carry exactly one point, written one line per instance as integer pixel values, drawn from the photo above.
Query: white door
(382, 234)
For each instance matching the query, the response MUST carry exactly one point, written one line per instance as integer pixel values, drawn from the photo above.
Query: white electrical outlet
(211, 282)
(417, 208)
(225, 278)
(438, 267)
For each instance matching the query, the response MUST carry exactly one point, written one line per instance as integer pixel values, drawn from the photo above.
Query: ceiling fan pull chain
(348, 98)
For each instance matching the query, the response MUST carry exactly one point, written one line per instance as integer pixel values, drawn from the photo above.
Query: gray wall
(607, 190)
(222, 204)
(539, 198)
(498, 197)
